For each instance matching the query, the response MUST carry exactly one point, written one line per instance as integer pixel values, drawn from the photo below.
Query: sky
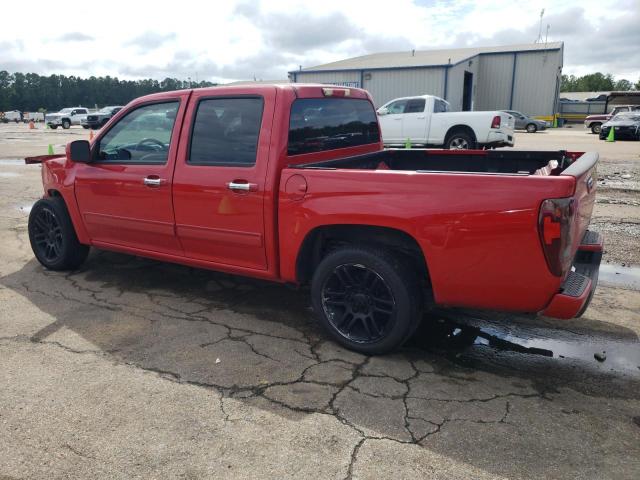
(242, 40)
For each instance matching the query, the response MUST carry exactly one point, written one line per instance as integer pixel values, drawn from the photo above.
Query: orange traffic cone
(31, 125)
(90, 135)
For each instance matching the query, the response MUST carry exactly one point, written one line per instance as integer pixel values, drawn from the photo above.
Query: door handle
(153, 181)
(422, 118)
(398, 118)
(242, 187)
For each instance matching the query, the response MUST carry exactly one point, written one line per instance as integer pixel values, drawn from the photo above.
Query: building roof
(426, 58)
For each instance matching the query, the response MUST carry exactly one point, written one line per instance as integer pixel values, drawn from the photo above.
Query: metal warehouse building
(512, 77)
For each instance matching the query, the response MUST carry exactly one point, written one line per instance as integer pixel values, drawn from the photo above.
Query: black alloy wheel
(358, 303)
(47, 235)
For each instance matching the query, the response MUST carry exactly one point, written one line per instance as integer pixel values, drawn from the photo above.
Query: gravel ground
(131, 368)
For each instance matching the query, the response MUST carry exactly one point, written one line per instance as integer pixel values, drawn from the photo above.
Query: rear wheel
(596, 127)
(531, 128)
(52, 236)
(368, 299)
(460, 141)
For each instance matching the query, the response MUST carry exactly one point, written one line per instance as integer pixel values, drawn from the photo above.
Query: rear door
(415, 121)
(219, 183)
(124, 194)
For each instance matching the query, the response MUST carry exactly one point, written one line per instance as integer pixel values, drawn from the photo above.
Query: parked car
(594, 122)
(291, 183)
(100, 118)
(11, 116)
(525, 122)
(598, 98)
(427, 120)
(626, 126)
(66, 117)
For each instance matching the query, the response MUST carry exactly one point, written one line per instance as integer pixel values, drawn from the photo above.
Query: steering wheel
(150, 141)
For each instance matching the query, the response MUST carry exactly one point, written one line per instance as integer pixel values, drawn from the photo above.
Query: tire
(596, 127)
(103, 123)
(66, 124)
(460, 141)
(53, 239)
(86, 127)
(368, 299)
(531, 128)
(53, 127)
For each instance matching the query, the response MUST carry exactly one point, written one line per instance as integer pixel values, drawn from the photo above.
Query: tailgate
(584, 171)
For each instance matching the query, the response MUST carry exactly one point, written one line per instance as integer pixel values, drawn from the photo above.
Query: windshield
(65, 110)
(105, 110)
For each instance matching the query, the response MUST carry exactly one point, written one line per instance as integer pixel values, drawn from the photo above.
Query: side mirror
(79, 151)
(383, 111)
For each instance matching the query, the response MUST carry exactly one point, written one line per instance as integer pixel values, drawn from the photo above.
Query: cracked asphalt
(131, 368)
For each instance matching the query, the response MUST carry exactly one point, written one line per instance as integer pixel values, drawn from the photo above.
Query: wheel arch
(460, 128)
(326, 238)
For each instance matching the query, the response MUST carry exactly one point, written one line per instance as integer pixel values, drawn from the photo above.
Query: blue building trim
(446, 82)
(513, 80)
(361, 78)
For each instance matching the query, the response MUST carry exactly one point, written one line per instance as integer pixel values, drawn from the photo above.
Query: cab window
(141, 136)
(226, 131)
(396, 107)
(415, 105)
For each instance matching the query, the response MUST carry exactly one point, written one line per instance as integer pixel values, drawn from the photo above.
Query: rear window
(319, 124)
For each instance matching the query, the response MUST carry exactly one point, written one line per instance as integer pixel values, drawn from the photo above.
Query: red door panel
(128, 202)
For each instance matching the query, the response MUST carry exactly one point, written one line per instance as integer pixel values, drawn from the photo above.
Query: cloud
(149, 41)
(75, 37)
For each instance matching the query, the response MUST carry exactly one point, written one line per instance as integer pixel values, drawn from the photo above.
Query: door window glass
(397, 106)
(226, 131)
(440, 106)
(141, 136)
(415, 105)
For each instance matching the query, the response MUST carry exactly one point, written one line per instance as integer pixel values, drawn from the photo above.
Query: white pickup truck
(427, 120)
(66, 117)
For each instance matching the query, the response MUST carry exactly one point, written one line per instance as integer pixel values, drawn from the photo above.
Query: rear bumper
(578, 288)
(499, 139)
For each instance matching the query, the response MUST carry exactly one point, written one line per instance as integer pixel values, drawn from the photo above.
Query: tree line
(596, 82)
(30, 92)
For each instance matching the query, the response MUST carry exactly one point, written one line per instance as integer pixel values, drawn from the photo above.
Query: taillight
(336, 92)
(554, 226)
(495, 123)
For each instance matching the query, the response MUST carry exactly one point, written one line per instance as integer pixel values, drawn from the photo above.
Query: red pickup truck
(291, 183)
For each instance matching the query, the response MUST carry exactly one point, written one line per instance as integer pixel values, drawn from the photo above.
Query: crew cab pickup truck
(594, 122)
(66, 117)
(426, 120)
(290, 183)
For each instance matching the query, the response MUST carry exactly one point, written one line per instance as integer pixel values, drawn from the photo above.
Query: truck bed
(456, 161)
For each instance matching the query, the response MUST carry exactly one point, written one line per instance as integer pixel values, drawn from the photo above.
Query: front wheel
(53, 127)
(369, 300)
(66, 124)
(460, 141)
(596, 127)
(53, 239)
(531, 128)
(86, 127)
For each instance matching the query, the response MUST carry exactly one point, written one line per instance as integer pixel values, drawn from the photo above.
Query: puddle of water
(456, 334)
(619, 276)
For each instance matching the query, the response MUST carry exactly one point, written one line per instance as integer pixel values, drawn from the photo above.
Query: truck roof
(300, 90)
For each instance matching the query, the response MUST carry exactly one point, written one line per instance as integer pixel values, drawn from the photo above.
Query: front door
(124, 194)
(391, 123)
(219, 184)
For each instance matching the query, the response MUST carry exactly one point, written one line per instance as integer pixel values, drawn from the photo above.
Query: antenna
(547, 35)
(539, 39)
